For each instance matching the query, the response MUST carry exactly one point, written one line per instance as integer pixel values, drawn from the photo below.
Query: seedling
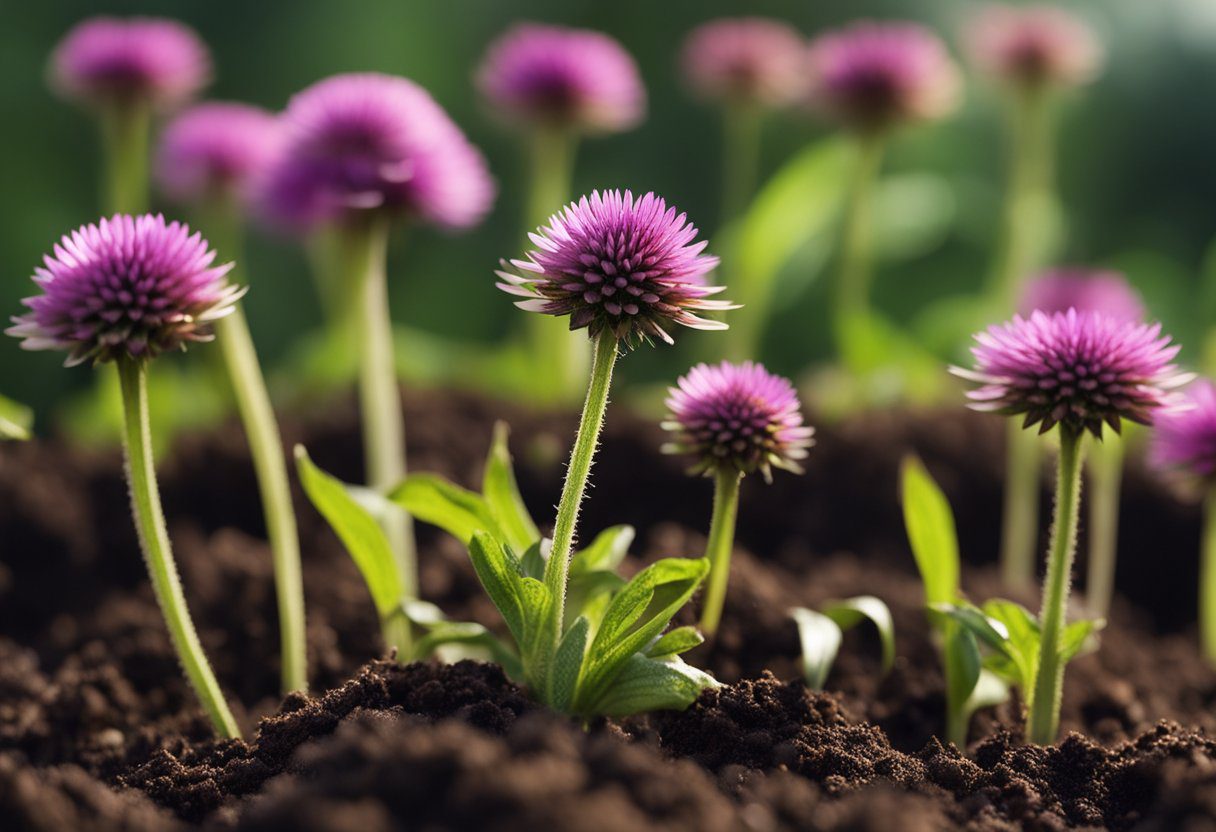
(821, 632)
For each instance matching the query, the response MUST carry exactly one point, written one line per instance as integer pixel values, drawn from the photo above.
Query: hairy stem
(852, 297)
(718, 548)
(1044, 718)
(1105, 464)
(124, 136)
(1020, 517)
(154, 542)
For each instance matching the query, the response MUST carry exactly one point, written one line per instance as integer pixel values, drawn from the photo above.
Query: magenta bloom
(574, 78)
(1078, 369)
(747, 60)
(1086, 290)
(612, 261)
(1033, 45)
(216, 148)
(1184, 441)
(874, 75)
(127, 287)
(367, 141)
(737, 417)
(140, 59)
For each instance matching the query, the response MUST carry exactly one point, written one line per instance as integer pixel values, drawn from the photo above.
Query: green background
(1135, 168)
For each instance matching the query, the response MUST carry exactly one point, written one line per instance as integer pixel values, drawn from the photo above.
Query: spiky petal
(746, 61)
(611, 261)
(1076, 369)
(737, 417)
(127, 287)
(104, 59)
(1030, 46)
(560, 77)
(1184, 441)
(1086, 290)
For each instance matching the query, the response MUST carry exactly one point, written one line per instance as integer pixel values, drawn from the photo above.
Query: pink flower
(214, 148)
(1033, 45)
(746, 60)
(1184, 441)
(1086, 290)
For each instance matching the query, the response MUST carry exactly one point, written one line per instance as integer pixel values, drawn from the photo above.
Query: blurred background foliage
(1135, 168)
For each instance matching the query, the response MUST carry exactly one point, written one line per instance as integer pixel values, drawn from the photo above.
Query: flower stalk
(719, 546)
(125, 129)
(154, 542)
(852, 300)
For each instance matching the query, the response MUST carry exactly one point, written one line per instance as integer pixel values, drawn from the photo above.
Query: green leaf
(443, 635)
(16, 420)
(532, 564)
(1076, 635)
(501, 494)
(677, 641)
(644, 684)
(501, 582)
(989, 631)
(989, 691)
(852, 611)
(962, 666)
(456, 510)
(930, 526)
(535, 644)
(1018, 663)
(357, 529)
(605, 552)
(568, 663)
(913, 215)
(820, 637)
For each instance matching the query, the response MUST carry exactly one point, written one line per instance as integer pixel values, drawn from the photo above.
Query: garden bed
(98, 729)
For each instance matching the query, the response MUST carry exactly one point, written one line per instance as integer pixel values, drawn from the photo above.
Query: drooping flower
(215, 148)
(1086, 290)
(569, 78)
(871, 76)
(1184, 441)
(1033, 45)
(747, 60)
(616, 262)
(737, 417)
(127, 287)
(366, 141)
(1078, 369)
(105, 59)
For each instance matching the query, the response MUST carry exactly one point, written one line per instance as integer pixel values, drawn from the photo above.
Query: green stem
(1044, 718)
(559, 356)
(1105, 465)
(398, 636)
(581, 457)
(741, 125)
(718, 548)
(124, 132)
(379, 399)
(1020, 518)
(154, 542)
(1207, 580)
(852, 297)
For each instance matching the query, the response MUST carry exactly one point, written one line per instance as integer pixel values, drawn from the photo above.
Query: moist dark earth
(98, 730)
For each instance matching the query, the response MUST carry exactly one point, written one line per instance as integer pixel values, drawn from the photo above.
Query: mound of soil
(99, 731)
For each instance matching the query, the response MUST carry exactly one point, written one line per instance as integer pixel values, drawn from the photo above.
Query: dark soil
(99, 731)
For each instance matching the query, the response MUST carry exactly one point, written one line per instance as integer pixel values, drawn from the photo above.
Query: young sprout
(555, 85)
(361, 151)
(124, 291)
(1184, 445)
(208, 157)
(126, 70)
(734, 419)
(1078, 370)
(872, 78)
(820, 633)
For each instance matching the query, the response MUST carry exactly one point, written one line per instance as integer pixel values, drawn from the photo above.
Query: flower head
(737, 417)
(1078, 369)
(215, 148)
(362, 142)
(552, 75)
(616, 262)
(127, 287)
(1184, 441)
(1033, 45)
(140, 59)
(748, 60)
(1086, 290)
(873, 75)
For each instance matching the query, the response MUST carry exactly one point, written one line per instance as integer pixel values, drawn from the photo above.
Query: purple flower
(140, 59)
(362, 142)
(737, 416)
(871, 76)
(571, 78)
(1033, 45)
(1079, 369)
(612, 261)
(127, 287)
(1086, 290)
(216, 148)
(1184, 441)
(746, 60)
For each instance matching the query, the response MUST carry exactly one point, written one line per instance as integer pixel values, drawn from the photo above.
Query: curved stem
(1044, 718)
(1105, 464)
(124, 134)
(852, 298)
(1207, 580)
(158, 555)
(1020, 517)
(718, 548)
